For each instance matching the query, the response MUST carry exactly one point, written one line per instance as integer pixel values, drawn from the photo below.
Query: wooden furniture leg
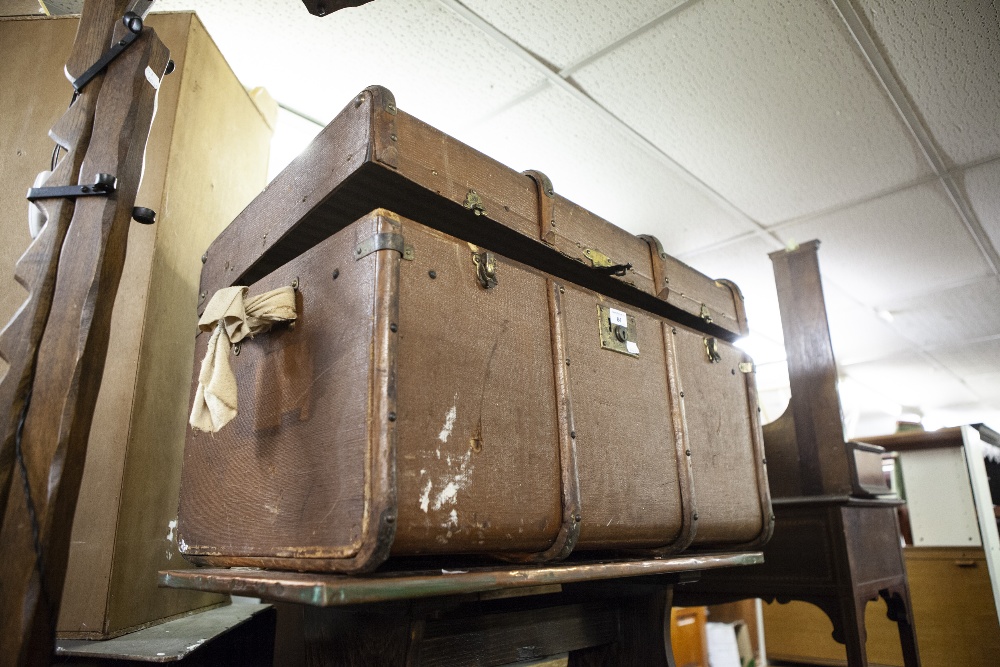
(897, 599)
(852, 611)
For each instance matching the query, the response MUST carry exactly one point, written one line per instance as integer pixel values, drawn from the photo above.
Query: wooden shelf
(325, 590)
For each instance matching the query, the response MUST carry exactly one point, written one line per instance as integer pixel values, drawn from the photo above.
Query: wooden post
(57, 342)
(805, 447)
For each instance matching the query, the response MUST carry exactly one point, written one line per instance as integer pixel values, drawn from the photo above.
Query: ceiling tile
(910, 380)
(746, 263)
(982, 188)
(966, 312)
(768, 102)
(563, 32)
(594, 164)
(946, 55)
(987, 387)
(441, 68)
(970, 359)
(908, 242)
(857, 332)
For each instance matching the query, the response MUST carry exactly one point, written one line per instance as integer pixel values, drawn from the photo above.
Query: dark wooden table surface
(608, 612)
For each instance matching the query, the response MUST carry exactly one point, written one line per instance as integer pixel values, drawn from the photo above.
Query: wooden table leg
(897, 599)
(852, 611)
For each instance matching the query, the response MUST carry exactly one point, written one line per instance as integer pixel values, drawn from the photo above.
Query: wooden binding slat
(36, 269)
(35, 534)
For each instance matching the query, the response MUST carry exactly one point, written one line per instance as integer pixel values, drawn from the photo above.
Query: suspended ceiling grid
(728, 129)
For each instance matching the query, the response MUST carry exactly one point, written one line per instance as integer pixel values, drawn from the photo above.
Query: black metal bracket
(133, 22)
(614, 270)
(104, 185)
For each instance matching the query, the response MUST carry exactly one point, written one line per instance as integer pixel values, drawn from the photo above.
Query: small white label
(617, 317)
(631, 347)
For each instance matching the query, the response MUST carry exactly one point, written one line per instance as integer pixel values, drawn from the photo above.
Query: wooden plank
(83, 612)
(911, 440)
(167, 642)
(34, 541)
(205, 189)
(810, 459)
(325, 590)
(202, 192)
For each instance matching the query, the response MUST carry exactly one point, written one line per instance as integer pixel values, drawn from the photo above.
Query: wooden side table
(600, 613)
(836, 553)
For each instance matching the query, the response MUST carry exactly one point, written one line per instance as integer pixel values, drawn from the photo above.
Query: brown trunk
(437, 398)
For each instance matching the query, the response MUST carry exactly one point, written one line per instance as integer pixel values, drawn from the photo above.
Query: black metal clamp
(103, 185)
(133, 22)
(614, 270)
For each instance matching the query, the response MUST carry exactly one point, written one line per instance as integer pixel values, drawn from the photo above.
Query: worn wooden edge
(323, 168)
(682, 447)
(569, 529)
(234, 250)
(324, 590)
(64, 394)
(760, 459)
(735, 324)
(740, 303)
(915, 440)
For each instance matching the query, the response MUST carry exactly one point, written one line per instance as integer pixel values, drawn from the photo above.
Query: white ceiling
(728, 129)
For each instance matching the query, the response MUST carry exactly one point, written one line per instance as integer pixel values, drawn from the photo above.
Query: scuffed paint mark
(171, 536)
(452, 521)
(182, 547)
(446, 496)
(449, 423)
(425, 497)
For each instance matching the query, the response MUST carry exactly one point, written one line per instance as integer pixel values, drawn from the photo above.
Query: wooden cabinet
(953, 612)
(687, 636)
(206, 159)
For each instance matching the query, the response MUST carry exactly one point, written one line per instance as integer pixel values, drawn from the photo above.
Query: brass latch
(486, 268)
(474, 203)
(712, 349)
(618, 331)
(705, 315)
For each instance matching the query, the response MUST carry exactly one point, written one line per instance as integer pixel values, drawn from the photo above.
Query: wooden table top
(324, 590)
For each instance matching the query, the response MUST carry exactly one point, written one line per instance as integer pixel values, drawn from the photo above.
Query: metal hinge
(605, 264)
(384, 241)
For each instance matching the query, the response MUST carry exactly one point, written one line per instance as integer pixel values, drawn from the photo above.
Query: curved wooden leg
(852, 611)
(897, 599)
